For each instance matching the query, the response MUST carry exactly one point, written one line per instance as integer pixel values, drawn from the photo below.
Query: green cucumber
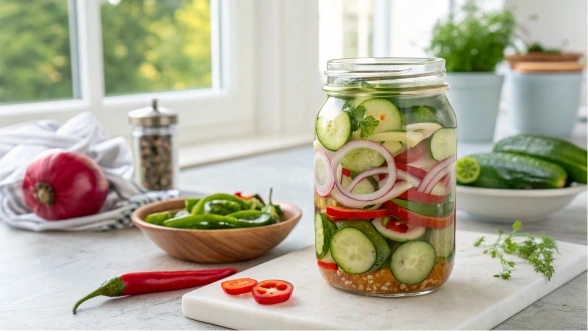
(353, 251)
(333, 132)
(411, 138)
(413, 233)
(362, 159)
(467, 170)
(443, 143)
(443, 240)
(413, 262)
(420, 114)
(516, 171)
(323, 231)
(382, 248)
(364, 186)
(427, 209)
(385, 112)
(563, 153)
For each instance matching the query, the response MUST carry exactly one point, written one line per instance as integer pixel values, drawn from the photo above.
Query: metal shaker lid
(153, 116)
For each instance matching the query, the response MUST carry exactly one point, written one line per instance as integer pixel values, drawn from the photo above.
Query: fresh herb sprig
(359, 121)
(538, 252)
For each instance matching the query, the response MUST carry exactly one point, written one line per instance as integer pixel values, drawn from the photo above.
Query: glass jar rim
(385, 67)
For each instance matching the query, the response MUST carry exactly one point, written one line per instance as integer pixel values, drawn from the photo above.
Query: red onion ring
(404, 175)
(439, 167)
(327, 187)
(397, 189)
(358, 178)
(363, 143)
(437, 178)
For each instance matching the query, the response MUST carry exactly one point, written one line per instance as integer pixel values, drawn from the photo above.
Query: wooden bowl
(215, 246)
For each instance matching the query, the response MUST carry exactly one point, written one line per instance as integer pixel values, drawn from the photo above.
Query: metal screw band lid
(153, 116)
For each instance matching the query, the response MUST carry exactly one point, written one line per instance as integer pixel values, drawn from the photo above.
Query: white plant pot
(475, 98)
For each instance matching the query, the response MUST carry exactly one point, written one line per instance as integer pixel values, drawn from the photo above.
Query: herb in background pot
(476, 43)
(537, 251)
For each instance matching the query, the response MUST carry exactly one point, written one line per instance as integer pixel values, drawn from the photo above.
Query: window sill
(207, 153)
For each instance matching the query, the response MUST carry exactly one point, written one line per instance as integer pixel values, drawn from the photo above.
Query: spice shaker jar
(154, 147)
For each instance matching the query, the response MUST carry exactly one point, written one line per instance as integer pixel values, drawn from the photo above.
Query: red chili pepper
(156, 281)
(239, 194)
(338, 213)
(422, 197)
(416, 219)
(269, 292)
(238, 286)
(326, 265)
(346, 172)
(397, 226)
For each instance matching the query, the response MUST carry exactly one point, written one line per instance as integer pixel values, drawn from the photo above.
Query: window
(156, 45)
(35, 54)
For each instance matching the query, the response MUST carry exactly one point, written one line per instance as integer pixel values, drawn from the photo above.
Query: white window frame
(225, 109)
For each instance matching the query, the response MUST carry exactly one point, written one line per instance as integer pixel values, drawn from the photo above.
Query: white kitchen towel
(19, 146)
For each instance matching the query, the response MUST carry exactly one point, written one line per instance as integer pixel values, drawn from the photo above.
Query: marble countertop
(43, 274)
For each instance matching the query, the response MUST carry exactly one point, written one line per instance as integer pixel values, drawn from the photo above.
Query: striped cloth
(20, 144)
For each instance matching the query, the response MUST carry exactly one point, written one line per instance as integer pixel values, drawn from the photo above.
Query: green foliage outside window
(148, 46)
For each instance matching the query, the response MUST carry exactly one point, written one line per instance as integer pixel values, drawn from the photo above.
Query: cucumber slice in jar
(411, 138)
(353, 251)
(413, 233)
(334, 132)
(420, 114)
(443, 240)
(323, 232)
(413, 262)
(385, 112)
(365, 186)
(382, 248)
(362, 159)
(467, 170)
(443, 143)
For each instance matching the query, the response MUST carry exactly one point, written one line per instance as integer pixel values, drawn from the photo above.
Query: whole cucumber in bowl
(569, 156)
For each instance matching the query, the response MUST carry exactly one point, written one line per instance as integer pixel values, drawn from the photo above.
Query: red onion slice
(439, 167)
(397, 189)
(363, 143)
(358, 178)
(324, 189)
(437, 178)
(414, 180)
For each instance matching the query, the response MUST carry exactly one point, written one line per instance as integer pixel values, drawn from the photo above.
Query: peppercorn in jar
(153, 134)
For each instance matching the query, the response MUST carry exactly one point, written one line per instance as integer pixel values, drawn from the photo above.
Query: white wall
(559, 24)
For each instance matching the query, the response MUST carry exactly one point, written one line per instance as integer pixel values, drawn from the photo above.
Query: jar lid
(153, 116)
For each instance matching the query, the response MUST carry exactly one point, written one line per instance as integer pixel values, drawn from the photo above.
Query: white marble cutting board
(471, 299)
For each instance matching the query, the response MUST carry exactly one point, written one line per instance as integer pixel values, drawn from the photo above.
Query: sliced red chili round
(346, 172)
(272, 291)
(238, 286)
(326, 265)
(338, 213)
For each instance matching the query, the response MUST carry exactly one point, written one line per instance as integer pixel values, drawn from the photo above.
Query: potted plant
(472, 45)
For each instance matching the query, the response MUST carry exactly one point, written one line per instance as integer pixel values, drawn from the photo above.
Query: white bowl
(500, 205)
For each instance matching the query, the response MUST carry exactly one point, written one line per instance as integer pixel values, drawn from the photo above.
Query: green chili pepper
(190, 203)
(203, 221)
(255, 204)
(199, 207)
(251, 218)
(270, 208)
(221, 207)
(159, 218)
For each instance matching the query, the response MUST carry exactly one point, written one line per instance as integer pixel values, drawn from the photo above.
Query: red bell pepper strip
(418, 172)
(238, 286)
(156, 281)
(346, 172)
(397, 226)
(338, 213)
(269, 292)
(422, 197)
(326, 265)
(416, 219)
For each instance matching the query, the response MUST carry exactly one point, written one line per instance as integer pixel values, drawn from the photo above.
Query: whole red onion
(59, 185)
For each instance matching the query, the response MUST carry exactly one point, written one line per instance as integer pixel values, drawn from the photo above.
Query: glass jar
(154, 147)
(384, 177)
